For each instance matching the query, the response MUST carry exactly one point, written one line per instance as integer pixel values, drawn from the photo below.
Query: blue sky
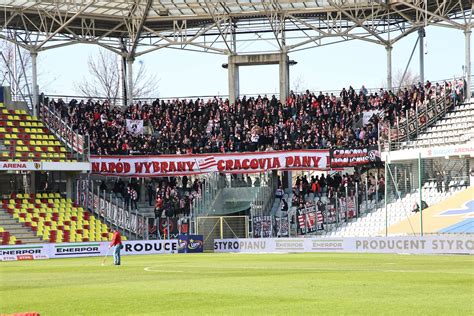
(184, 73)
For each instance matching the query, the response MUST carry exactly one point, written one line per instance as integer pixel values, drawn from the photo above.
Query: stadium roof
(233, 26)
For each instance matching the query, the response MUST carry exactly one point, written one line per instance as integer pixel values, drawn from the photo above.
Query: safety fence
(413, 122)
(77, 144)
(212, 227)
(416, 184)
(111, 210)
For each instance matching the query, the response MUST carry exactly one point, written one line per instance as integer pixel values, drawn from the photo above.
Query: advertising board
(412, 245)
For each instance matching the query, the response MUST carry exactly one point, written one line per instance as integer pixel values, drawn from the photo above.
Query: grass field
(230, 284)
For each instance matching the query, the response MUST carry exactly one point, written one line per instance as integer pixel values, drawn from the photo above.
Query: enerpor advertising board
(414, 245)
(24, 252)
(72, 250)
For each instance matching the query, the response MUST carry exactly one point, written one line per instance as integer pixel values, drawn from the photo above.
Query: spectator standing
(150, 193)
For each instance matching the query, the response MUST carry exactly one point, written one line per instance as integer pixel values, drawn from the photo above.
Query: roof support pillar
(421, 35)
(280, 59)
(467, 66)
(389, 67)
(233, 77)
(284, 76)
(130, 80)
(34, 78)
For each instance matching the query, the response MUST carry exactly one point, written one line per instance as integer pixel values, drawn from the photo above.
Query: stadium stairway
(374, 224)
(52, 218)
(17, 233)
(456, 127)
(25, 138)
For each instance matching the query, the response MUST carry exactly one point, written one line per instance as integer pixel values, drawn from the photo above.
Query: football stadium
(348, 192)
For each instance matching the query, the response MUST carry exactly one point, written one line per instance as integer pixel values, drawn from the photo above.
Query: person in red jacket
(117, 243)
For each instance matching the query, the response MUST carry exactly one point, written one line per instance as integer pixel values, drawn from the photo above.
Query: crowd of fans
(169, 197)
(305, 121)
(337, 185)
(324, 193)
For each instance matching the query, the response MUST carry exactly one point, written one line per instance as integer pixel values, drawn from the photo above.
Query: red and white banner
(179, 165)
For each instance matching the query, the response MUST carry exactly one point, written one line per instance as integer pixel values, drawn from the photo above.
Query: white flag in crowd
(135, 127)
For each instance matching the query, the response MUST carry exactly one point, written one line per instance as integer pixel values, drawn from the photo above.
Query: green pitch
(237, 284)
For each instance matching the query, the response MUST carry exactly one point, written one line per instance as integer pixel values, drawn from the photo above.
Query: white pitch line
(221, 271)
(149, 269)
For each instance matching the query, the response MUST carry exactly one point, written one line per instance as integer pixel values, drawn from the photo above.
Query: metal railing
(411, 126)
(111, 210)
(77, 144)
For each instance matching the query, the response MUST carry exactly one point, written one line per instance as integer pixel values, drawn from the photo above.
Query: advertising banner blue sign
(190, 243)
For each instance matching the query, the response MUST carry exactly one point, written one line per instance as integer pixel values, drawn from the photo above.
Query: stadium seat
(54, 218)
(27, 139)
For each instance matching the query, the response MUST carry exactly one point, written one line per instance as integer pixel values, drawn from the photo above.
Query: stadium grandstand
(295, 171)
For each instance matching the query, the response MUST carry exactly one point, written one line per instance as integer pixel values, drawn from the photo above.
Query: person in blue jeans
(117, 243)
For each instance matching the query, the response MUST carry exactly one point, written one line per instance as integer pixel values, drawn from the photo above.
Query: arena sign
(413, 245)
(179, 165)
(26, 166)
